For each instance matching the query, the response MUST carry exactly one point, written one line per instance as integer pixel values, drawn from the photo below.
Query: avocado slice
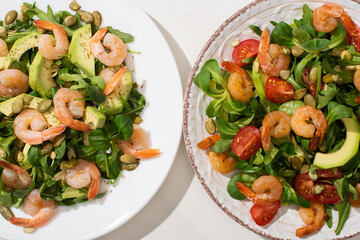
(94, 118)
(79, 50)
(19, 47)
(29, 102)
(40, 78)
(346, 152)
(72, 193)
(112, 104)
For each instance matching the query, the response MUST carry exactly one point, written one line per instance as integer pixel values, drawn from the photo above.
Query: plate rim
(186, 113)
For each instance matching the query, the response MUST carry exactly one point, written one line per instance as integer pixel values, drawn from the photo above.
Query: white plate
(219, 47)
(154, 68)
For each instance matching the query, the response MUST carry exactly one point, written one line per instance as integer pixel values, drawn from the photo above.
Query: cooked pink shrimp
(15, 176)
(324, 20)
(275, 124)
(271, 59)
(66, 109)
(3, 48)
(111, 79)
(37, 122)
(266, 189)
(314, 217)
(299, 124)
(117, 48)
(138, 146)
(240, 84)
(46, 45)
(40, 210)
(13, 82)
(84, 174)
(222, 162)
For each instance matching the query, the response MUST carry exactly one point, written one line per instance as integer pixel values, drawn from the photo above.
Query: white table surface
(182, 209)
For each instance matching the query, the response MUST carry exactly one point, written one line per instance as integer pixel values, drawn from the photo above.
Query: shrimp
(66, 109)
(82, 175)
(13, 82)
(3, 48)
(271, 59)
(40, 210)
(111, 79)
(46, 45)
(15, 176)
(117, 48)
(240, 84)
(355, 203)
(314, 217)
(222, 162)
(275, 124)
(356, 81)
(209, 141)
(266, 189)
(37, 122)
(138, 147)
(324, 20)
(299, 124)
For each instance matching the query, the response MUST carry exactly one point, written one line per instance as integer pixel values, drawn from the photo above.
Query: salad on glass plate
(284, 118)
(69, 111)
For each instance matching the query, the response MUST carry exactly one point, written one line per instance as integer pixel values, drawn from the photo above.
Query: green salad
(69, 111)
(285, 114)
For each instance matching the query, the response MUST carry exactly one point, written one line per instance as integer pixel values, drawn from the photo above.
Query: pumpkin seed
(330, 77)
(18, 143)
(314, 74)
(309, 100)
(336, 52)
(44, 105)
(17, 105)
(58, 140)
(2, 153)
(296, 162)
(97, 18)
(40, 30)
(19, 156)
(6, 212)
(304, 169)
(210, 126)
(71, 154)
(137, 120)
(70, 20)
(10, 17)
(29, 230)
(285, 74)
(129, 166)
(300, 93)
(318, 189)
(285, 50)
(47, 148)
(235, 43)
(53, 155)
(127, 159)
(297, 51)
(313, 175)
(74, 6)
(71, 163)
(86, 16)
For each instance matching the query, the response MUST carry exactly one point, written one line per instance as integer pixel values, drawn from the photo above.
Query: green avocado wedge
(346, 152)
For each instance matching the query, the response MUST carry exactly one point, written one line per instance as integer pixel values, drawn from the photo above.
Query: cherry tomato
(245, 49)
(303, 186)
(354, 38)
(329, 196)
(262, 214)
(246, 142)
(329, 173)
(278, 90)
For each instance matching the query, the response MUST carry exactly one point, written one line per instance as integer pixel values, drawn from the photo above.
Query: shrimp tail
(245, 190)
(12, 167)
(24, 222)
(93, 189)
(352, 29)
(100, 34)
(316, 140)
(232, 67)
(79, 126)
(146, 153)
(309, 229)
(114, 82)
(209, 141)
(265, 137)
(45, 25)
(52, 132)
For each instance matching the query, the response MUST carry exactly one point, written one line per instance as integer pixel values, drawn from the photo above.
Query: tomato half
(278, 90)
(329, 173)
(245, 49)
(303, 186)
(246, 142)
(329, 196)
(262, 214)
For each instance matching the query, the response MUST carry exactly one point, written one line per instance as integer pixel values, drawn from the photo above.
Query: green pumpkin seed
(47, 148)
(309, 100)
(128, 159)
(296, 162)
(297, 51)
(58, 140)
(210, 126)
(17, 105)
(318, 189)
(10, 17)
(137, 120)
(300, 93)
(74, 6)
(71, 154)
(129, 166)
(314, 74)
(285, 74)
(86, 16)
(70, 20)
(285, 50)
(2, 153)
(97, 18)
(19, 156)
(44, 105)
(304, 169)
(313, 175)
(6, 212)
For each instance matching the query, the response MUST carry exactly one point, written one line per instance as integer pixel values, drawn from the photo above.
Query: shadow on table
(176, 183)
